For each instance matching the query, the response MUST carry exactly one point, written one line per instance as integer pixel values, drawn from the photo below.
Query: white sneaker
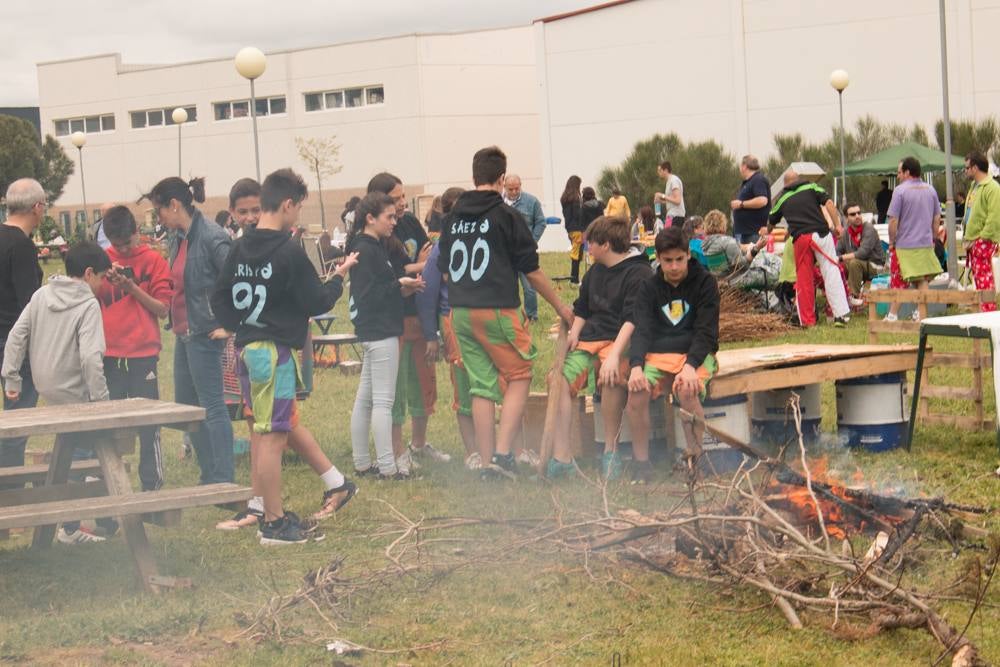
(79, 536)
(890, 318)
(528, 457)
(473, 461)
(404, 463)
(431, 452)
(915, 316)
(855, 302)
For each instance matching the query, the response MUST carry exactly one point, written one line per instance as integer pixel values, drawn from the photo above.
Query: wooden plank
(958, 360)
(963, 422)
(334, 339)
(898, 327)
(58, 473)
(952, 393)
(101, 415)
(737, 360)
(838, 369)
(119, 485)
(123, 505)
(34, 474)
(977, 378)
(48, 494)
(956, 297)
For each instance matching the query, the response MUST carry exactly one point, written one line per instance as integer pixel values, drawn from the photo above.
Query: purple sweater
(433, 301)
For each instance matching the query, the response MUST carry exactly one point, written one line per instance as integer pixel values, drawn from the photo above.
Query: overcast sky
(166, 31)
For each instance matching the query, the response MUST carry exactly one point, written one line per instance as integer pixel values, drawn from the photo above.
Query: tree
(20, 151)
(321, 155)
(22, 155)
(967, 136)
(711, 176)
(869, 136)
(57, 168)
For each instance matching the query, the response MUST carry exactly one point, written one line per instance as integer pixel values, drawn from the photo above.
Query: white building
(739, 71)
(569, 94)
(416, 105)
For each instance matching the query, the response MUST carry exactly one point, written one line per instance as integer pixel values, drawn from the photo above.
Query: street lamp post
(78, 139)
(949, 179)
(179, 116)
(250, 63)
(839, 80)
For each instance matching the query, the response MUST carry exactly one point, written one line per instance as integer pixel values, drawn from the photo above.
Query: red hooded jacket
(131, 331)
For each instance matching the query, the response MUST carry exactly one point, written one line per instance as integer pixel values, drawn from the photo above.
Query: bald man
(20, 276)
(752, 202)
(812, 216)
(531, 210)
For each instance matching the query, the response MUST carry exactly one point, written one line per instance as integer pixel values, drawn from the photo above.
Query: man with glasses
(982, 231)
(20, 276)
(860, 250)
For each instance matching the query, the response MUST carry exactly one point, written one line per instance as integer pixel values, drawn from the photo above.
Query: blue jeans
(530, 298)
(198, 381)
(12, 449)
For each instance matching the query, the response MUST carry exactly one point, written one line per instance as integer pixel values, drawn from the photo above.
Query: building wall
(739, 71)
(445, 97)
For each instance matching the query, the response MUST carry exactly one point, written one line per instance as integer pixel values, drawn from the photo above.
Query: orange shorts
(584, 363)
(662, 367)
(416, 383)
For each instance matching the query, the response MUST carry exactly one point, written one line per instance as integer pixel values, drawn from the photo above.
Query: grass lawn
(81, 605)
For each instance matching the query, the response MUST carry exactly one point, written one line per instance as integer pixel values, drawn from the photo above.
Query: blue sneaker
(557, 469)
(611, 466)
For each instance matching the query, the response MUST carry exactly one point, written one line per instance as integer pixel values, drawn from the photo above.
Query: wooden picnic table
(111, 428)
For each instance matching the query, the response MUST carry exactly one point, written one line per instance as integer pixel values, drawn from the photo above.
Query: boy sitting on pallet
(676, 337)
(598, 339)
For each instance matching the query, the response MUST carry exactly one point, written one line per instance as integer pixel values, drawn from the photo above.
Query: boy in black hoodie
(266, 292)
(676, 336)
(602, 327)
(483, 246)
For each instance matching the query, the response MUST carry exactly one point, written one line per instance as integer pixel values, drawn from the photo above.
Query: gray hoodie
(62, 334)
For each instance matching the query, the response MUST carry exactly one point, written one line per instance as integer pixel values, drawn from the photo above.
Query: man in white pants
(811, 216)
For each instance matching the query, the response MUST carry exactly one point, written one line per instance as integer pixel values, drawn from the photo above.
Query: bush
(710, 175)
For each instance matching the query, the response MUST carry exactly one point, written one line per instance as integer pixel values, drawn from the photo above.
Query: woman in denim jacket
(198, 249)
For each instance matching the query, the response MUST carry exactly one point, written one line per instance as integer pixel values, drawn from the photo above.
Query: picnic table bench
(111, 428)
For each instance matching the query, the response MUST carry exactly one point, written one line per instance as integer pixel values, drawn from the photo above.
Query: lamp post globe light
(179, 116)
(79, 139)
(250, 63)
(839, 80)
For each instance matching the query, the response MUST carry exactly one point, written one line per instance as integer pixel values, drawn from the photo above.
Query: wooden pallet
(974, 361)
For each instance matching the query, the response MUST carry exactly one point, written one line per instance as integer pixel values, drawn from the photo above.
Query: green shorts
(495, 347)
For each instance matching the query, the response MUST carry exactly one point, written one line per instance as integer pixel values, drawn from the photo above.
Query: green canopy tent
(886, 162)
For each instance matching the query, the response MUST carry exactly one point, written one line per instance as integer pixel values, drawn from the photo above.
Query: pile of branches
(728, 532)
(740, 317)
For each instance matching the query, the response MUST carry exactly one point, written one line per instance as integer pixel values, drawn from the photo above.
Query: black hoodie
(268, 289)
(376, 305)
(484, 245)
(607, 297)
(682, 319)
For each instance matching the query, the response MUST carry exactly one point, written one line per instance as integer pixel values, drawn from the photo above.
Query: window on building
(81, 217)
(65, 221)
(88, 124)
(350, 97)
(266, 106)
(354, 97)
(159, 117)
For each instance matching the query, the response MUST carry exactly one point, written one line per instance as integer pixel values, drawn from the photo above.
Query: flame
(839, 523)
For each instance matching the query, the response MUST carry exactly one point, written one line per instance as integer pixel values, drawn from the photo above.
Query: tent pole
(949, 177)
